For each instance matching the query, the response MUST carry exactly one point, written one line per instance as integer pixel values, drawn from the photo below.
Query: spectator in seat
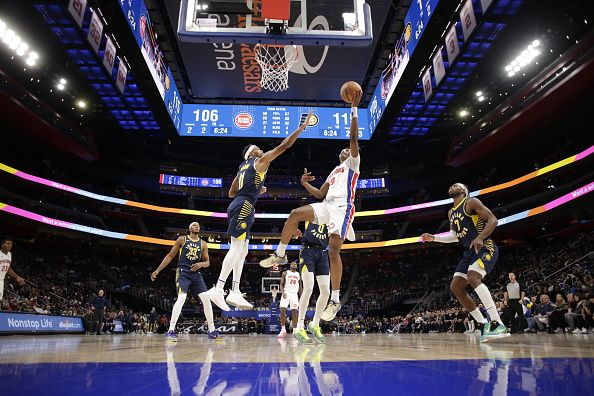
(543, 311)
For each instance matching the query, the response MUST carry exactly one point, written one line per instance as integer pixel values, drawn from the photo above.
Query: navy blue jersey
(315, 234)
(467, 227)
(250, 180)
(190, 253)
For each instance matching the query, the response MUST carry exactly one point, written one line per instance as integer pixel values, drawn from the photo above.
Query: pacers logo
(313, 121)
(243, 120)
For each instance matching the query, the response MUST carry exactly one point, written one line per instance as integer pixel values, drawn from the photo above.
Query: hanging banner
(109, 56)
(438, 67)
(452, 45)
(95, 32)
(468, 19)
(77, 8)
(122, 75)
(427, 88)
(485, 4)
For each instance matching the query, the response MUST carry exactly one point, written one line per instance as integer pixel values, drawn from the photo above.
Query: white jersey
(343, 182)
(5, 260)
(292, 282)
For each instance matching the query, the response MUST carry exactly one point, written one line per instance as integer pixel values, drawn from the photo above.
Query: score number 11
(345, 118)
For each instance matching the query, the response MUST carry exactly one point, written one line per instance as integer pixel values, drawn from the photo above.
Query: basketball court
(450, 364)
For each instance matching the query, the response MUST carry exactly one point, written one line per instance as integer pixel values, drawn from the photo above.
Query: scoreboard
(269, 121)
(190, 181)
(379, 182)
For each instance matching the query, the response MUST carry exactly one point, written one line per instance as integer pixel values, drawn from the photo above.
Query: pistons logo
(244, 120)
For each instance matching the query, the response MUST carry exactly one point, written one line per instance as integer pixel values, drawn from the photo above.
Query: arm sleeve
(446, 237)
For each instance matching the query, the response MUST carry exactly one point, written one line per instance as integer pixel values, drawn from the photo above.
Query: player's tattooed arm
(474, 205)
(168, 258)
(234, 187)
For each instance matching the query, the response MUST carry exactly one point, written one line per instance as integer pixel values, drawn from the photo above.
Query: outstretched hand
(307, 177)
(306, 122)
(356, 96)
(427, 237)
(154, 275)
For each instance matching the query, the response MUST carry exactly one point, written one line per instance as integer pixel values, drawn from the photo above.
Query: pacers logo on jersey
(456, 224)
(192, 252)
(243, 225)
(313, 121)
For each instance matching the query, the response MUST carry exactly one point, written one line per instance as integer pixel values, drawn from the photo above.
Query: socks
(280, 250)
(485, 295)
(228, 262)
(207, 311)
(478, 316)
(324, 286)
(335, 296)
(177, 307)
(238, 265)
(308, 283)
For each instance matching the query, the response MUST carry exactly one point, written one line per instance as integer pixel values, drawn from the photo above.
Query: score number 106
(206, 115)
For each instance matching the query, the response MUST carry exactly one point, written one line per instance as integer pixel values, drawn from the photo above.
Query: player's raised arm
(205, 263)
(168, 258)
(271, 155)
(354, 131)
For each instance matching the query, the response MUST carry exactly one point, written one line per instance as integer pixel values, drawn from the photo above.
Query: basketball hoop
(275, 62)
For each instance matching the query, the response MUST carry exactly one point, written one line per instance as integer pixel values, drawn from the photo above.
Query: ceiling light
(81, 103)
(60, 87)
(535, 43)
(463, 113)
(511, 73)
(30, 62)
(481, 98)
(479, 93)
(63, 81)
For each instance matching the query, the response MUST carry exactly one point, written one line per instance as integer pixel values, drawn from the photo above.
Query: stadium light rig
(525, 57)
(17, 45)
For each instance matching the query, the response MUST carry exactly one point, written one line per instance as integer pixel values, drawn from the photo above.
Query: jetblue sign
(14, 322)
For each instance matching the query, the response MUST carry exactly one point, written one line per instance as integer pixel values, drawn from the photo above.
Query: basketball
(347, 90)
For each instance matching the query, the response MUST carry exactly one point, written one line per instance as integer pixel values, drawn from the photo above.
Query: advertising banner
(22, 323)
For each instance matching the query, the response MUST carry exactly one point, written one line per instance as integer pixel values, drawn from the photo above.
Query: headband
(464, 188)
(192, 223)
(249, 151)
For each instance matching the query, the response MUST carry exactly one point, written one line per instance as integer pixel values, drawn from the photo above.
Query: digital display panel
(190, 181)
(379, 182)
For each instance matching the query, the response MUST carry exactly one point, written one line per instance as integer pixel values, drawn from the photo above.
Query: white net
(275, 62)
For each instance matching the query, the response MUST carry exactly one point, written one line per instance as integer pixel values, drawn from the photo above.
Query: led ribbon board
(163, 209)
(580, 192)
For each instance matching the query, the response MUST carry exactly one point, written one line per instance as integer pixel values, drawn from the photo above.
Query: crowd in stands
(556, 274)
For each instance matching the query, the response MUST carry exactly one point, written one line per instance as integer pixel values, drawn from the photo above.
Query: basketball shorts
(338, 218)
(189, 282)
(314, 259)
(291, 302)
(240, 216)
(482, 262)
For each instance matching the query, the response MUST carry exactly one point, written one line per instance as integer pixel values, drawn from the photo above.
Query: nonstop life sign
(14, 322)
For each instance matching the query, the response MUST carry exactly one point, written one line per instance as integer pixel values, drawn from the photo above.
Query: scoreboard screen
(190, 181)
(269, 121)
(371, 183)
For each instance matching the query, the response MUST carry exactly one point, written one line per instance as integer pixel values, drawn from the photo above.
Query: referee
(513, 295)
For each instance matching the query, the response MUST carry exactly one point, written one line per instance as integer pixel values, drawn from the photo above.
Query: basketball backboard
(311, 22)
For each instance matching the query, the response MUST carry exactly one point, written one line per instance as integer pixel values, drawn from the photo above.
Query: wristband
(354, 112)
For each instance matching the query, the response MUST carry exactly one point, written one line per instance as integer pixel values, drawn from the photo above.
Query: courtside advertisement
(24, 323)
